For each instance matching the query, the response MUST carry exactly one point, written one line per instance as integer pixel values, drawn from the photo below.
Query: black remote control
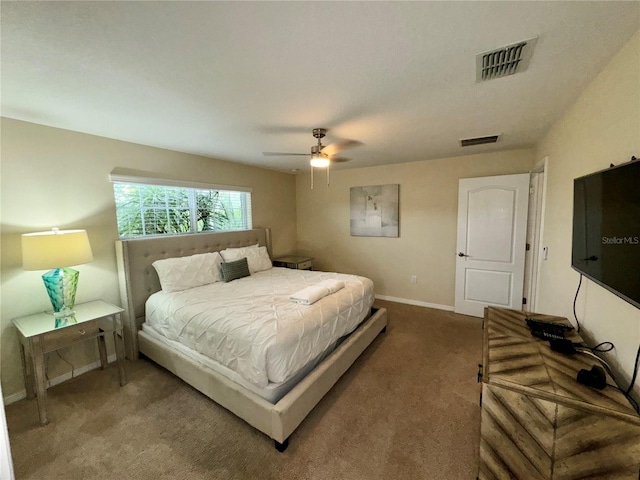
(548, 335)
(540, 325)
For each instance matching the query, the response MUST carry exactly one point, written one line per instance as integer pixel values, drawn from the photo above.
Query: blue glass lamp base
(61, 285)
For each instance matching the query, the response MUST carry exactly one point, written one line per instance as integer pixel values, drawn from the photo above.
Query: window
(146, 207)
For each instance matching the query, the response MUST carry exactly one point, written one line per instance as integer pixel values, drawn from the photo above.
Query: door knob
(462, 255)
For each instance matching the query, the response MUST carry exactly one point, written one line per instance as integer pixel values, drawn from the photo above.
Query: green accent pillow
(233, 270)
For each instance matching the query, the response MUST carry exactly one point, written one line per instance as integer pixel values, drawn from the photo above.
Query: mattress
(250, 326)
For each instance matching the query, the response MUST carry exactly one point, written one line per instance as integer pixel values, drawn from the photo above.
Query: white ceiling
(233, 79)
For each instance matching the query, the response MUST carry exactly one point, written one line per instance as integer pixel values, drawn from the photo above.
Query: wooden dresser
(537, 421)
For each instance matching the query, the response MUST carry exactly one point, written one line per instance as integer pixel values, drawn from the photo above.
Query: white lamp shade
(319, 161)
(55, 249)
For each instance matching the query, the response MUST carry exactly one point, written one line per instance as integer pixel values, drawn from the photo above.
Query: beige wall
(428, 215)
(603, 127)
(52, 177)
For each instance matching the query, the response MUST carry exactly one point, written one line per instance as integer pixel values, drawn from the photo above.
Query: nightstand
(294, 261)
(42, 333)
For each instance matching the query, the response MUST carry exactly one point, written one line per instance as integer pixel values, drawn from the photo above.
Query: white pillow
(257, 257)
(180, 273)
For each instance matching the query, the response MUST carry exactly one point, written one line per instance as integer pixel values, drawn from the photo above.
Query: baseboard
(9, 399)
(418, 303)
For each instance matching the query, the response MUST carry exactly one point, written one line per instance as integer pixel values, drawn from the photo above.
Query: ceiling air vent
(504, 61)
(468, 142)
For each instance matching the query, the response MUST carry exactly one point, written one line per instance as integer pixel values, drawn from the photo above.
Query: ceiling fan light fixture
(319, 161)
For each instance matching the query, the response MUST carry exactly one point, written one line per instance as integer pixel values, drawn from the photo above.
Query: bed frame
(138, 280)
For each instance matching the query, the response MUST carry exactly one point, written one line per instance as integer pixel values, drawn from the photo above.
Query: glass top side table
(42, 333)
(298, 262)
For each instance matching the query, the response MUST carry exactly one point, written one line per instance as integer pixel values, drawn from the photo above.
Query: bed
(276, 408)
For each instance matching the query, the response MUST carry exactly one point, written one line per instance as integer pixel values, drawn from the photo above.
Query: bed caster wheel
(281, 447)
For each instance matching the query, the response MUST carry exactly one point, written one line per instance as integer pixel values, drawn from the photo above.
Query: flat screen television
(606, 229)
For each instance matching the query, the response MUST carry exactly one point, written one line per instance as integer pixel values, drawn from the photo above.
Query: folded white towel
(332, 285)
(313, 293)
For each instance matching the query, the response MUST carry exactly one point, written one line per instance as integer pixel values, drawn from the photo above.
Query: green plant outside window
(150, 210)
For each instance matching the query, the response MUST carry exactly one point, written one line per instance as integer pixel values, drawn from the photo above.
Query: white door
(492, 231)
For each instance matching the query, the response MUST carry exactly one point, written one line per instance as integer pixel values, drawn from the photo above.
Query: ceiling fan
(321, 155)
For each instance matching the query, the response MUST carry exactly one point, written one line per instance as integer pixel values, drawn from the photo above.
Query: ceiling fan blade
(337, 147)
(339, 159)
(282, 154)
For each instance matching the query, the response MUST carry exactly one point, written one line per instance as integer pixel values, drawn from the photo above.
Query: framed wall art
(374, 211)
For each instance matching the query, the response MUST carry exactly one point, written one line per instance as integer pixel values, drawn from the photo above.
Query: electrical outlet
(414, 279)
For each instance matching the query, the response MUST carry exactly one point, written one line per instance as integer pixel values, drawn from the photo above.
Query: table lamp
(57, 249)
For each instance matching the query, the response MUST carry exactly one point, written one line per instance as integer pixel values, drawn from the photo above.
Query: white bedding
(250, 326)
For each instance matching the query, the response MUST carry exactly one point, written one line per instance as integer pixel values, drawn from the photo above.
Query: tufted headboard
(138, 279)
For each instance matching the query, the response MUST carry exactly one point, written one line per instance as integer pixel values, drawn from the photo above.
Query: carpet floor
(407, 409)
